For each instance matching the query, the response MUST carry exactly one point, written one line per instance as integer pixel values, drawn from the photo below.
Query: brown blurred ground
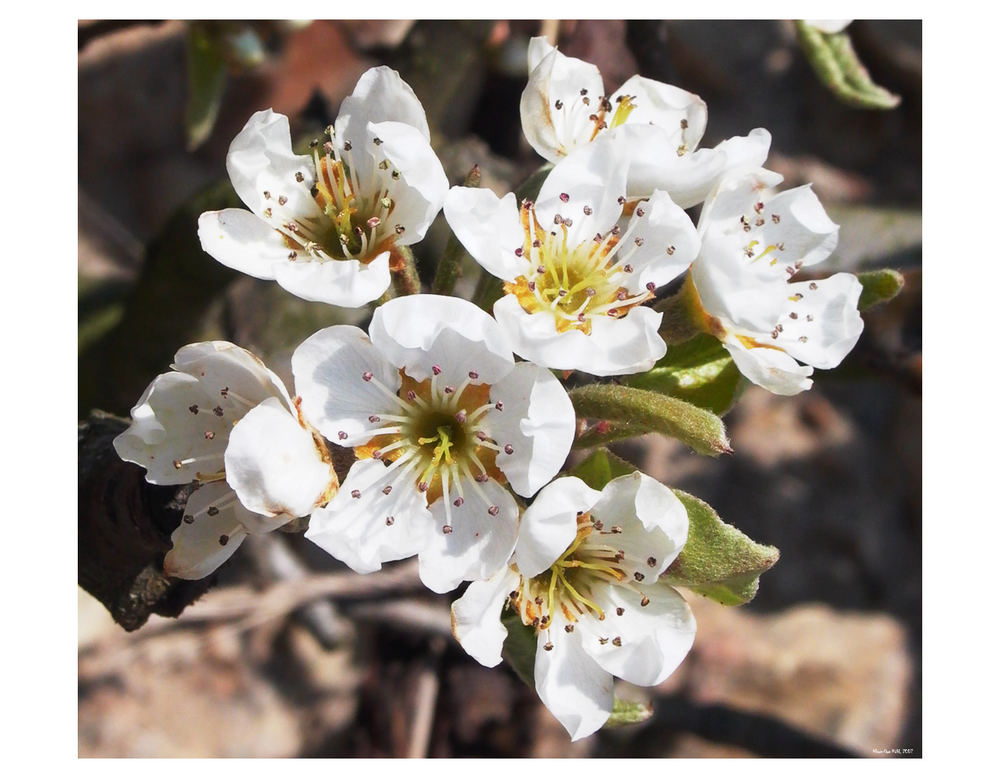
(826, 660)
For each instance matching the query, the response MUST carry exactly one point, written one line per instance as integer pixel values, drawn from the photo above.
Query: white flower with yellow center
(564, 108)
(753, 245)
(584, 576)
(575, 278)
(325, 226)
(440, 418)
(224, 422)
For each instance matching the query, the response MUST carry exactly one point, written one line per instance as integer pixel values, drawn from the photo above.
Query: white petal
(594, 178)
(242, 241)
(261, 156)
(419, 332)
(537, 421)
(233, 375)
(475, 617)
(365, 531)
(827, 322)
(554, 132)
(479, 544)
(770, 368)
(345, 282)
(665, 106)
(577, 691)
(422, 184)
(548, 526)
(829, 26)
(659, 245)
(273, 465)
(653, 523)
(538, 49)
(654, 638)
(203, 541)
(630, 344)
(330, 368)
(489, 228)
(380, 96)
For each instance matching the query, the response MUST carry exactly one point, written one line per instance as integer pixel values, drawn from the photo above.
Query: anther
(493, 510)
(267, 195)
(328, 147)
(598, 525)
(638, 576)
(499, 406)
(282, 200)
(356, 494)
(559, 104)
(650, 286)
(620, 611)
(583, 92)
(612, 312)
(684, 124)
(347, 145)
(547, 646)
(386, 489)
(374, 419)
(458, 502)
(758, 207)
(342, 435)
(193, 409)
(621, 201)
(519, 252)
(188, 519)
(400, 229)
(536, 243)
(628, 268)
(422, 486)
(449, 390)
(587, 210)
(508, 449)
(447, 529)
(564, 197)
(473, 375)
(621, 296)
(590, 291)
(223, 539)
(639, 212)
(616, 530)
(411, 395)
(390, 520)
(299, 177)
(481, 478)
(651, 561)
(616, 230)
(541, 270)
(617, 641)
(178, 464)
(436, 369)
(209, 435)
(267, 213)
(376, 454)
(644, 601)
(373, 222)
(217, 410)
(292, 255)
(602, 641)
(460, 417)
(568, 627)
(775, 218)
(481, 435)
(562, 293)
(813, 286)
(803, 339)
(377, 141)
(671, 250)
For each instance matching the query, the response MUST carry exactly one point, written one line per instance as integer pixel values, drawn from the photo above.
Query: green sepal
(206, 72)
(835, 62)
(699, 371)
(650, 411)
(600, 467)
(879, 286)
(718, 560)
(624, 713)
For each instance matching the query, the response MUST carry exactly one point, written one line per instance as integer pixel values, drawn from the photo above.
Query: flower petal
(330, 368)
(592, 178)
(630, 344)
(420, 189)
(682, 114)
(660, 243)
(646, 643)
(577, 691)
(208, 534)
(475, 617)
(548, 526)
(652, 522)
(261, 156)
(827, 322)
(489, 228)
(537, 422)
(554, 132)
(345, 282)
(770, 368)
(233, 375)
(484, 530)
(242, 241)
(380, 96)
(419, 332)
(273, 465)
(375, 527)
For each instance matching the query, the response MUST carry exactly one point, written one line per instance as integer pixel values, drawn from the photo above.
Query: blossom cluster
(459, 446)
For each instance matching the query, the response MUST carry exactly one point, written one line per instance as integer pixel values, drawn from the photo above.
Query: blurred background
(290, 654)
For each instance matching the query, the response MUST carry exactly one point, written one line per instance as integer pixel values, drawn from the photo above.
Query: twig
(428, 685)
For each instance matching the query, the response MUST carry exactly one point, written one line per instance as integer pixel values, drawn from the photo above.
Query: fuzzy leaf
(879, 286)
(718, 560)
(600, 467)
(699, 371)
(837, 65)
(206, 70)
(653, 412)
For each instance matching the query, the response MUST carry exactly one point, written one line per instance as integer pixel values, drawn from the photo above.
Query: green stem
(450, 266)
(406, 280)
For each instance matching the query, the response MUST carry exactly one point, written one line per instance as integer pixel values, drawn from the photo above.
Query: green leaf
(206, 70)
(699, 371)
(625, 712)
(879, 286)
(718, 560)
(653, 412)
(600, 467)
(837, 65)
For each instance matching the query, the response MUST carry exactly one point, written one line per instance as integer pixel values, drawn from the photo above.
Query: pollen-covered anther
(356, 494)
(508, 449)
(493, 510)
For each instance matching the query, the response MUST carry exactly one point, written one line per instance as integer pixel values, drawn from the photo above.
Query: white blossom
(564, 108)
(585, 575)
(753, 245)
(440, 418)
(576, 280)
(225, 423)
(326, 226)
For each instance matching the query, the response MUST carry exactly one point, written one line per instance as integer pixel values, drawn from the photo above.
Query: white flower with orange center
(584, 576)
(440, 419)
(753, 244)
(576, 280)
(564, 108)
(224, 422)
(325, 226)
